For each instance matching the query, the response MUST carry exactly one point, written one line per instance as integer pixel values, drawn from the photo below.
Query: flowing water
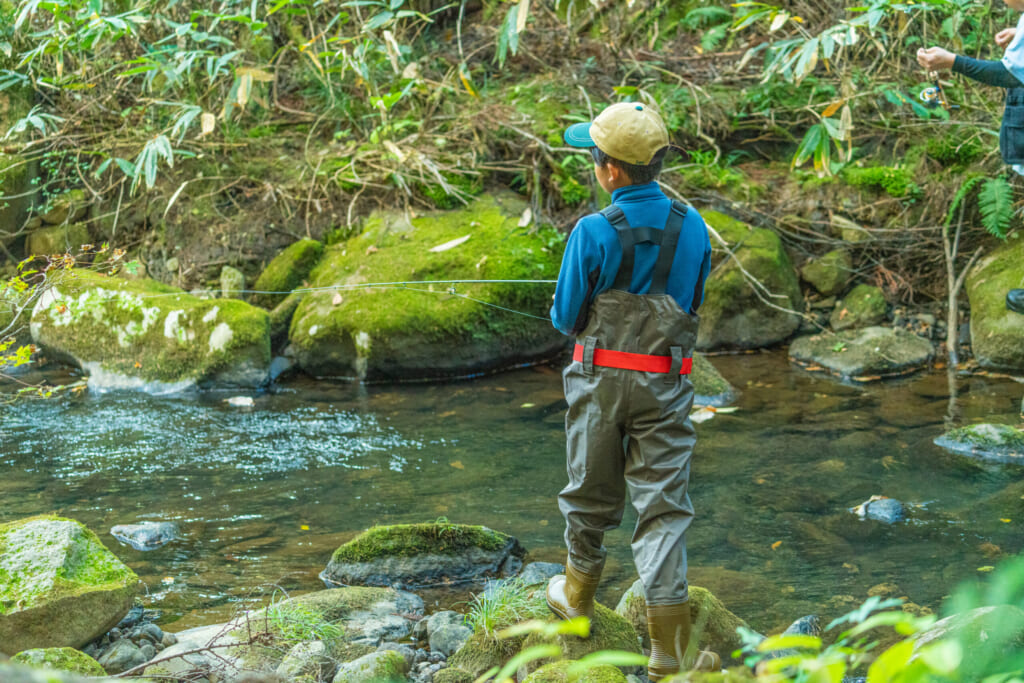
(263, 495)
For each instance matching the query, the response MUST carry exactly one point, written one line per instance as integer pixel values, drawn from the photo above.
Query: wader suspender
(667, 240)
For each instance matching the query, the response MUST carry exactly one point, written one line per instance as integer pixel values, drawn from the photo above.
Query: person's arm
(581, 267)
(705, 268)
(984, 71)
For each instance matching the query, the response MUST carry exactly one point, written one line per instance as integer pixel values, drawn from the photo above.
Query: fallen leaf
(526, 218)
(854, 569)
(337, 299)
(447, 413)
(533, 405)
(457, 464)
(1004, 520)
(450, 245)
(372, 249)
(304, 527)
(543, 522)
(986, 568)
(775, 546)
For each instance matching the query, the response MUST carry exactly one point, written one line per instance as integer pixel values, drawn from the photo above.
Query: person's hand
(1005, 37)
(935, 58)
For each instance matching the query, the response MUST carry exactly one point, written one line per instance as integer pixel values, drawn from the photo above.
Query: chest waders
(628, 428)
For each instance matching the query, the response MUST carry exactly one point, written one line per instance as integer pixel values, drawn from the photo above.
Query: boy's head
(628, 142)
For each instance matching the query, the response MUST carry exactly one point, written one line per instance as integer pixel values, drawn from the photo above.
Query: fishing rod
(934, 96)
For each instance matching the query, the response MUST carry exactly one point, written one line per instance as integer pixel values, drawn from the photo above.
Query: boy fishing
(631, 281)
(1008, 73)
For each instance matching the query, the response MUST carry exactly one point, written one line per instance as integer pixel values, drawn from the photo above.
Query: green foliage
(995, 202)
(954, 150)
(294, 622)
(895, 181)
(505, 604)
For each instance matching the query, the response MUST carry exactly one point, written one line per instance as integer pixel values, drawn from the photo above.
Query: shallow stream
(263, 495)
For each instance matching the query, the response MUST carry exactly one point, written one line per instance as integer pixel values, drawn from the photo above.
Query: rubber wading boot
(1015, 300)
(669, 626)
(572, 594)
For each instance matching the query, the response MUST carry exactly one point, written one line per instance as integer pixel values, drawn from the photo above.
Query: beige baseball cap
(628, 131)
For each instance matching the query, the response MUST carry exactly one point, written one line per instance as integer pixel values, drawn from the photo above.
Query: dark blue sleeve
(705, 269)
(985, 71)
(581, 266)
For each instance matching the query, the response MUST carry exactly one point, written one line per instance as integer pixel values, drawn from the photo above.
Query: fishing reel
(934, 96)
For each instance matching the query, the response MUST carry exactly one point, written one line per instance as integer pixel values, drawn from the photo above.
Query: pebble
(169, 639)
(150, 632)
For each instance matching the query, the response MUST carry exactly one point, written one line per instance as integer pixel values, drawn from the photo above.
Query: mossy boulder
(736, 674)
(144, 334)
(417, 554)
(16, 673)
(482, 652)
(232, 283)
(709, 387)
(711, 619)
(69, 207)
(870, 353)
(453, 675)
(828, 274)
(989, 442)
(558, 672)
(608, 631)
(431, 331)
(57, 239)
(732, 315)
(385, 666)
(60, 659)
(287, 271)
(997, 334)
(59, 585)
(864, 306)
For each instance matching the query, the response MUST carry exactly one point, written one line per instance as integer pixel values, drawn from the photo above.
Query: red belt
(624, 360)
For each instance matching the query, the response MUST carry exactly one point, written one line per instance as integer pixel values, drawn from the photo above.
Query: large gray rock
(869, 353)
(397, 334)
(59, 585)
(732, 315)
(997, 334)
(122, 656)
(145, 335)
(989, 442)
(417, 554)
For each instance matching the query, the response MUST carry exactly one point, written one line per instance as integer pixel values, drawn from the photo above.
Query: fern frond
(995, 200)
(713, 36)
(961, 195)
(705, 16)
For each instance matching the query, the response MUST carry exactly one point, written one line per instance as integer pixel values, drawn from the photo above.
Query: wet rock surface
(986, 442)
(146, 535)
(865, 354)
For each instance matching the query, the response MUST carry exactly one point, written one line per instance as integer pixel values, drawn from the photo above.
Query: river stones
(384, 666)
(732, 315)
(431, 331)
(986, 442)
(287, 271)
(881, 509)
(59, 586)
(145, 335)
(997, 334)
(719, 633)
(146, 535)
(866, 354)
(829, 274)
(864, 306)
(419, 554)
(59, 659)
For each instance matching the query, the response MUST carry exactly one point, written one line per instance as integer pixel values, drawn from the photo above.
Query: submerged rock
(866, 354)
(59, 585)
(146, 535)
(997, 334)
(991, 442)
(430, 331)
(732, 315)
(881, 509)
(719, 630)
(287, 271)
(145, 335)
(539, 572)
(417, 554)
(59, 659)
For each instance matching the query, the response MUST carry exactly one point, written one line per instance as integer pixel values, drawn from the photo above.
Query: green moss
(61, 659)
(706, 379)
(463, 183)
(557, 672)
(57, 239)
(895, 181)
(382, 326)
(390, 667)
(90, 567)
(407, 540)
(996, 333)
(483, 652)
(829, 274)
(953, 149)
(145, 329)
(736, 674)
(286, 272)
(543, 102)
(608, 631)
(865, 305)
(453, 675)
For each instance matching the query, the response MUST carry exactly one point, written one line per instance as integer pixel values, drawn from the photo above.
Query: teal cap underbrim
(578, 135)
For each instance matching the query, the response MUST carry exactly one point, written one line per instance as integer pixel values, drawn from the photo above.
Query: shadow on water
(264, 494)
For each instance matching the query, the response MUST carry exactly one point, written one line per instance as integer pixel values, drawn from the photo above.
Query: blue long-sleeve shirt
(593, 255)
